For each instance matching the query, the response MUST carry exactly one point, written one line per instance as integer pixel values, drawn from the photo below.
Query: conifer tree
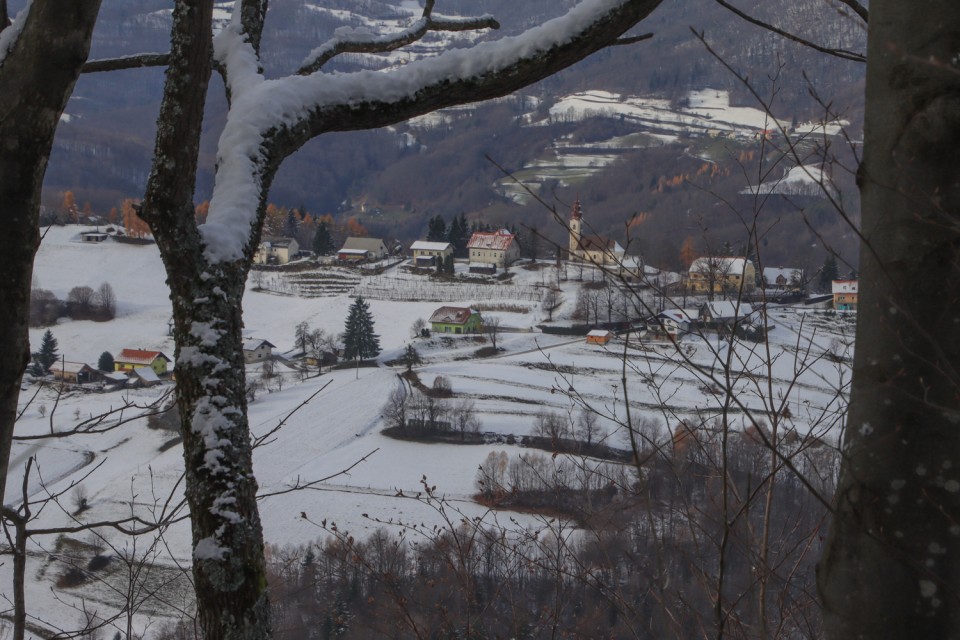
(359, 340)
(436, 229)
(47, 355)
(322, 240)
(458, 234)
(829, 272)
(105, 363)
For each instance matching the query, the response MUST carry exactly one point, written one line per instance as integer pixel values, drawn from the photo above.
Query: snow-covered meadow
(331, 446)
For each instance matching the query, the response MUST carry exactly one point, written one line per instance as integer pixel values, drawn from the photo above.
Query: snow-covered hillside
(338, 417)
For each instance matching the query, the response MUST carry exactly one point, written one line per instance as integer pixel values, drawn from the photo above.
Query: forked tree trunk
(228, 563)
(892, 565)
(36, 79)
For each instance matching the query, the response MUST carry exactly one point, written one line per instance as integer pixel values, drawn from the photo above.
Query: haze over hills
(690, 184)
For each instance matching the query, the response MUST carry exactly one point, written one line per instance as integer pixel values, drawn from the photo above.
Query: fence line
(401, 289)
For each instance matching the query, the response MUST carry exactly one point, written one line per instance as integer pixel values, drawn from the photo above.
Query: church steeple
(575, 224)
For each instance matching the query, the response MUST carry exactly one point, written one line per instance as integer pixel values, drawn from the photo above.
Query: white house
(426, 254)
(276, 250)
(257, 350)
(497, 249)
(677, 322)
(360, 249)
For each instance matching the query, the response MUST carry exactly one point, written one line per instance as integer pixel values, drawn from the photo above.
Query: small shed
(145, 376)
(599, 336)
(93, 236)
(74, 372)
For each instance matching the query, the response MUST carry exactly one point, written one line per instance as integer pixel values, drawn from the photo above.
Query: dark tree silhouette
(359, 340)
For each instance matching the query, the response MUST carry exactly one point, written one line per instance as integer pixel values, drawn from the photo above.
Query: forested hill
(394, 180)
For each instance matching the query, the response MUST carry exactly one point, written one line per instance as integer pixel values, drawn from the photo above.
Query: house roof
(452, 315)
(278, 241)
(423, 245)
(356, 252)
(255, 343)
(70, 367)
(599, 333)
(770, 274)
(146, 374)
(722, 309)
(719, 264)
(493, 241)
(679, 315)
(366, 244)
(139, 356)
(600, 243)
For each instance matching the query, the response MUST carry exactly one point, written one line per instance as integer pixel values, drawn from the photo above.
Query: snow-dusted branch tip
(348, 40)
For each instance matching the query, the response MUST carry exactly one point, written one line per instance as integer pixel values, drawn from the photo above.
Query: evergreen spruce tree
(105, 363)
(47, 355)
(322, 240)
(436, 229)
(458, 235)
(448, 265)
(411, 357)
(359, 340)
(829, 272)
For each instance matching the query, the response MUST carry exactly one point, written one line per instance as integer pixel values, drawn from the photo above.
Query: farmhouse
(276, 250)
(257, 350)
(714, 315)
(721, 274)
(130, 359)
(845, 293)
(676, 322)
(427, 254)
(498, 249)
(360, 249)
(74, 372)
(456, 320)
(598, 250)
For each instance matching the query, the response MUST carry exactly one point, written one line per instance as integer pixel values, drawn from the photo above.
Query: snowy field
(332, 444)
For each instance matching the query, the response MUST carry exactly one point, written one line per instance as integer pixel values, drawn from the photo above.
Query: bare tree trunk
(892, 564)
(36, 79)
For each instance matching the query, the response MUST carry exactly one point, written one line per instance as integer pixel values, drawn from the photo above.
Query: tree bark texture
(36, 79)
(891, 568)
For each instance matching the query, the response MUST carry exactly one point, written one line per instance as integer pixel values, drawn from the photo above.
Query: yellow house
(130, 359)
(721, 274)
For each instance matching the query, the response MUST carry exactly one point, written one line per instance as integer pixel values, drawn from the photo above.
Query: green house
(456, 320)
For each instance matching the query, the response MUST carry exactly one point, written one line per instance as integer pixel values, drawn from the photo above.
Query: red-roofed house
(455, 320)
(130, 359)
(498, 249)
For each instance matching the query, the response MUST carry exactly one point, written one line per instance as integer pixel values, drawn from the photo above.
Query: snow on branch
(270, 119)
(9, 34)
(349, 40)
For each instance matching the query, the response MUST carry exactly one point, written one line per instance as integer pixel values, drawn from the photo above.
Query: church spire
(577, 213)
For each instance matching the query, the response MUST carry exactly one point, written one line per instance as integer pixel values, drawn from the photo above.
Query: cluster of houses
(131, 368)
